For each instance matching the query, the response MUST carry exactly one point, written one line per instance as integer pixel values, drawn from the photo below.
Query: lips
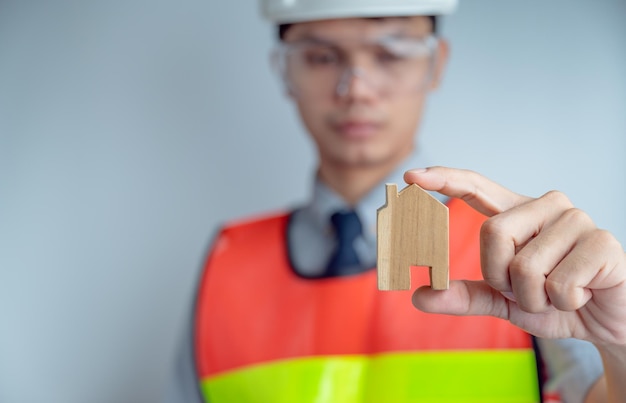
(357, 129)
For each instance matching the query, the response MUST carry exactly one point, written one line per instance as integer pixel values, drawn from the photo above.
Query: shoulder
(257, 221)
(252, 230)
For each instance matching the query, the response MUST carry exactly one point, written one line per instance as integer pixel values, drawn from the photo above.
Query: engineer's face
(371, 117)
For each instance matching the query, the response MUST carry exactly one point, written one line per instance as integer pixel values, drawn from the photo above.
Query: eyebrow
(312, 38)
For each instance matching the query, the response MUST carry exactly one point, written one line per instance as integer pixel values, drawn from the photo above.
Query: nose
(354, 83)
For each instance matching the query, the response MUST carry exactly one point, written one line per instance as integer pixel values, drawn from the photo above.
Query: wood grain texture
(412, 230)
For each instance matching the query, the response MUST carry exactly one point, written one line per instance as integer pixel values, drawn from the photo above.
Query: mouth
(357, 129)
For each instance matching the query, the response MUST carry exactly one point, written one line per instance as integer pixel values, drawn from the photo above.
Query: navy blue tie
(344, 259)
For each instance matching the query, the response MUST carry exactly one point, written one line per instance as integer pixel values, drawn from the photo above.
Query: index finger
(482, 194)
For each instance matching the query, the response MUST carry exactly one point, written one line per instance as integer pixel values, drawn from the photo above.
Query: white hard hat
(290, 11)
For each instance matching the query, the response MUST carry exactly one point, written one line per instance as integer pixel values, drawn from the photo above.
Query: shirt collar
(324, 202)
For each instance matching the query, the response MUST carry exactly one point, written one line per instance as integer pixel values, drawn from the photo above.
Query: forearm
(610, 387)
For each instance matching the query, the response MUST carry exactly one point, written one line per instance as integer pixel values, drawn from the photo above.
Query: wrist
(614, 360)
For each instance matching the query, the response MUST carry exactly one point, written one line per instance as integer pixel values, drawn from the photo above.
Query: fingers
(548, 254)
(531, 269)
(485, 196)
(592, 264)
(462, 298)
(506, 239)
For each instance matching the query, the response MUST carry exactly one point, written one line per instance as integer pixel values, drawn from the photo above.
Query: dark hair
(282, 28)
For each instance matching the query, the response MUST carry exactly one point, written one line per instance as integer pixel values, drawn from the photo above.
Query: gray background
(130, 129)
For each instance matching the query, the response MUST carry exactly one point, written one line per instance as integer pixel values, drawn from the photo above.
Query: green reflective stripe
(502, 376)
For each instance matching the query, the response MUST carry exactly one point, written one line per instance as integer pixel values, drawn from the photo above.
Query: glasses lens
(312, 69)
(389, 67)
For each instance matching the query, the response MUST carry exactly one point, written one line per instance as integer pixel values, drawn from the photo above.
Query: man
(287, 306)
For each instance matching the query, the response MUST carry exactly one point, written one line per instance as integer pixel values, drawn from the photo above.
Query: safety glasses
(391, 65)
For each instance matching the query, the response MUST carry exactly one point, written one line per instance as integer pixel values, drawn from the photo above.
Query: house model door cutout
(412, 230)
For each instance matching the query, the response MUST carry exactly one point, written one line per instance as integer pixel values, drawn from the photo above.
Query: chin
(362, 161)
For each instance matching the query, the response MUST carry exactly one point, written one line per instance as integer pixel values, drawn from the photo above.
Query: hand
(546, 267)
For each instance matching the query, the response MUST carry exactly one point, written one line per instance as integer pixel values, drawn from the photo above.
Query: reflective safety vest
(265, 334)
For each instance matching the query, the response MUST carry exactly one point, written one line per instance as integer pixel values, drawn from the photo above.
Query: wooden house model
(412, 230)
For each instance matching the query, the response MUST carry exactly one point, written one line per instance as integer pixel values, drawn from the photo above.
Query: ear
(441, 60)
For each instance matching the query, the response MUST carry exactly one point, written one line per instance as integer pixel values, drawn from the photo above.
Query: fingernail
(417, 170)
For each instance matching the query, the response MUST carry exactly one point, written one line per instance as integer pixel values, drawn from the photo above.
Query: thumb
(463, 298)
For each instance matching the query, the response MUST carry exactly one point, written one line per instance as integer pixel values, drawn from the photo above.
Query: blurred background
(129, 130)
